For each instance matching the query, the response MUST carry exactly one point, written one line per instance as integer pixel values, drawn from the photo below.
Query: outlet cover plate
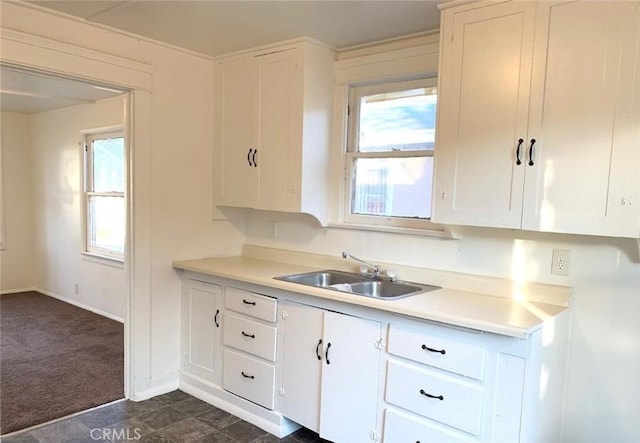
(560, 261)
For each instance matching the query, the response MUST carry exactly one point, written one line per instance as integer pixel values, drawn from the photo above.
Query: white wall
(16, 261)
(57, 167)
(177, 179)
(603, 382)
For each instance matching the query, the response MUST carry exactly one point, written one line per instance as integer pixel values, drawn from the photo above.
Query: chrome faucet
(375, 268)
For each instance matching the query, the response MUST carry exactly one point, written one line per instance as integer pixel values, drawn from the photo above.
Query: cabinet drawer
(249, 378)
(439, 351)
(458, 402)
(248, 303)
(250, 336)
(402, 428)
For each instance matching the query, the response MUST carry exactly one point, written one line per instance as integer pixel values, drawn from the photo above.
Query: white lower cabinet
(249, 369)
(279, 362)
(402, 427)
(201, 338)
(330, 372)
(249, 378)
(453, 385)
(447, 399)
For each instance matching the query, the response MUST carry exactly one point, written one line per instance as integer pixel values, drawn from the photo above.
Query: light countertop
(513, 315)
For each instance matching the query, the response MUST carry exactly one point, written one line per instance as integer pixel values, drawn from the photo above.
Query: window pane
(108, 165)
(398, 121)
(393, 187)
(106, 223)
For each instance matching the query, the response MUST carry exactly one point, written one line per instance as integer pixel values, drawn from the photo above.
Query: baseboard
(157, 386)
(15, 291)
(270, 421)
(79, 305)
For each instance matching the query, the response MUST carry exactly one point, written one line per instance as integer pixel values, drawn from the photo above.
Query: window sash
(379, 220)
(352, 154)
(91, 246)
(89, 220)
(357, 92)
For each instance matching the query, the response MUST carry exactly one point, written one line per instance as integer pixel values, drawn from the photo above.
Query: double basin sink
(375, 287)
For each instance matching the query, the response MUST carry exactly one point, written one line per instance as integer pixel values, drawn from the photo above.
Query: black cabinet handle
(533, 142)
(318, 349)
(249, 156)
(326, 355)
(426, 394)
(518, 161)
(246, 302)
(255, 163)
(248, 335)
(215, 318)
(247, 375)
(427, 348)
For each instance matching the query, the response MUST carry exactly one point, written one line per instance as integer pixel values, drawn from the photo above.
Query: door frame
(40, 55)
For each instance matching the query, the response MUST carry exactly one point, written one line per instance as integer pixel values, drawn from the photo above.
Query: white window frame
(351, 154)
(88, 138)
(2, 219)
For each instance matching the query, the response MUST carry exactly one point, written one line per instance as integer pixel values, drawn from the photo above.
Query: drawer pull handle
(248, 335)
(247, 375)
(247, 302)
(326, 355)
(318, 349)
(427, 348)
(518, 161)
(215, 318)
(426, 394)
(533, 142)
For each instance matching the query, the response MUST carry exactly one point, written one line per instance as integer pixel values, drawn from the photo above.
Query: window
(2, 245)
(389, 159)
(104, 194)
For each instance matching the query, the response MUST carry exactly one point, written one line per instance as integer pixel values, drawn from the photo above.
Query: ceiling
(28, 92)
(216, 27)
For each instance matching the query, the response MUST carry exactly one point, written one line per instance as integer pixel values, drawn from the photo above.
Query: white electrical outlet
(76, 288)
(273, 229)
(560, 261)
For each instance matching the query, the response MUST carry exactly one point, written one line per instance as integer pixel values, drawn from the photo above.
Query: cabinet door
(350, 377)
(201, 339)
(301, 367)
(585, 120)
(482, 114)
(235, 173)
(275, 75)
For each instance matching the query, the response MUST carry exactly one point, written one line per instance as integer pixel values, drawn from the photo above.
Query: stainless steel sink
(322, 279)
(348, 282)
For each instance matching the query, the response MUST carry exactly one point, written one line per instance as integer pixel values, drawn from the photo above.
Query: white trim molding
(27, 51)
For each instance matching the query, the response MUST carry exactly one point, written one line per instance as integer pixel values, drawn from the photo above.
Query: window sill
(106, 260)
(392, 229)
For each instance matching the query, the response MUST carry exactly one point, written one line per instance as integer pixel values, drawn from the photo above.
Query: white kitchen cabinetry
(539, 117)
(455, 385)
(330, 372)
(249, 338)
(201, 339)
(272, 116)
(356, 374)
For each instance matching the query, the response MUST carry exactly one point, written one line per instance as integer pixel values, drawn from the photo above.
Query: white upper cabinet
(272, 116)
(539, 118)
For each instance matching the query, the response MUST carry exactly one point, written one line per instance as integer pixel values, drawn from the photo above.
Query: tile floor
(175, 417)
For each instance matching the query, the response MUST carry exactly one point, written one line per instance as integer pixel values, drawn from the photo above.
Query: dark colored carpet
(55, 359)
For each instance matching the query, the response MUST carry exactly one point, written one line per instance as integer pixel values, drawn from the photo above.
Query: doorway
(63, 268)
